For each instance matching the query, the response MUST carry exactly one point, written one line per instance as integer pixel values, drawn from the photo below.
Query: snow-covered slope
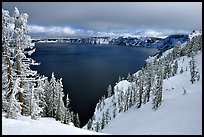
(179, 113)
(128, 111)
(44, 126)
(195, 33)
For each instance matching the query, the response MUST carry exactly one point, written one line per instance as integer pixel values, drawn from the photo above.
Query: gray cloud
(102, 16)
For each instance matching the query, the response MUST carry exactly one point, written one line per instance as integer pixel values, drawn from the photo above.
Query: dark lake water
(87, 70)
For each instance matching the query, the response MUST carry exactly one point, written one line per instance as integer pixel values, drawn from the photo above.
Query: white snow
(122, 86)
(24, 125)
(195, 33)
(179, 114)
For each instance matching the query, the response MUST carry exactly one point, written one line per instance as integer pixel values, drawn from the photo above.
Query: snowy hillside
(179, 113)
(195, 33)
(164, 97)
(24, 125)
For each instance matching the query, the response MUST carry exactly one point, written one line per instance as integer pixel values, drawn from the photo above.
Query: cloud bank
(110, 18)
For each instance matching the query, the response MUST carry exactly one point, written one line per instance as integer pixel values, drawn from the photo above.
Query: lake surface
(87, 70)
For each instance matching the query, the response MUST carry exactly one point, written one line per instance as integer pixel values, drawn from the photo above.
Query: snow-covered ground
(179, 114)
(44, 126)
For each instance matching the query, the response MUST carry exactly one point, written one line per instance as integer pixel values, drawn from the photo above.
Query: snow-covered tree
(157, 90)
(67, 118)
(98, 105)
(119, 79)
(14, 107)
(76, 120)
(23, 46)
(6, 50)
(60, 108)
(52, 95)
(192, 70)
(167, 69)
(109, 90)
(175, 68)
(129, 77)
(107, 116)
(149, 78)
(97, 126)
(103, 120)
(42, 89)
(34, 105)
(89, 124)
(120, 103)
(140, 89)
(17, 47)
(114, 111)
(176, 50)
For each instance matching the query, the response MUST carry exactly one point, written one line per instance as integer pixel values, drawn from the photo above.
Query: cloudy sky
(109, 18)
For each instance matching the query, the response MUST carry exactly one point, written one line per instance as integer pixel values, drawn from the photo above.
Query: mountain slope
(134, 107)
(179, 113)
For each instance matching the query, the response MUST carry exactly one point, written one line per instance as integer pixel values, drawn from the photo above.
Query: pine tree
(72, 117)
(103, 101)
(67, 118)
(97, 128)
(129, 78)
(52, 96)
(114, 111)
(175, 67)
(22, 43)
(134, 93)
(14, 107)
(16, 46)
(176, 51)
(46, 97)
(89, 124)
(157, 90)
(6, 46)
(60, 108)
(41, 89)
(140, 89)
(192, 70)
(109, 90)
(35, 109)
(107, 116)
(98, 105)
(119, 79)
(126, 100)
(76, 120)
(120, 102)
(148, 76)
(103, 121)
